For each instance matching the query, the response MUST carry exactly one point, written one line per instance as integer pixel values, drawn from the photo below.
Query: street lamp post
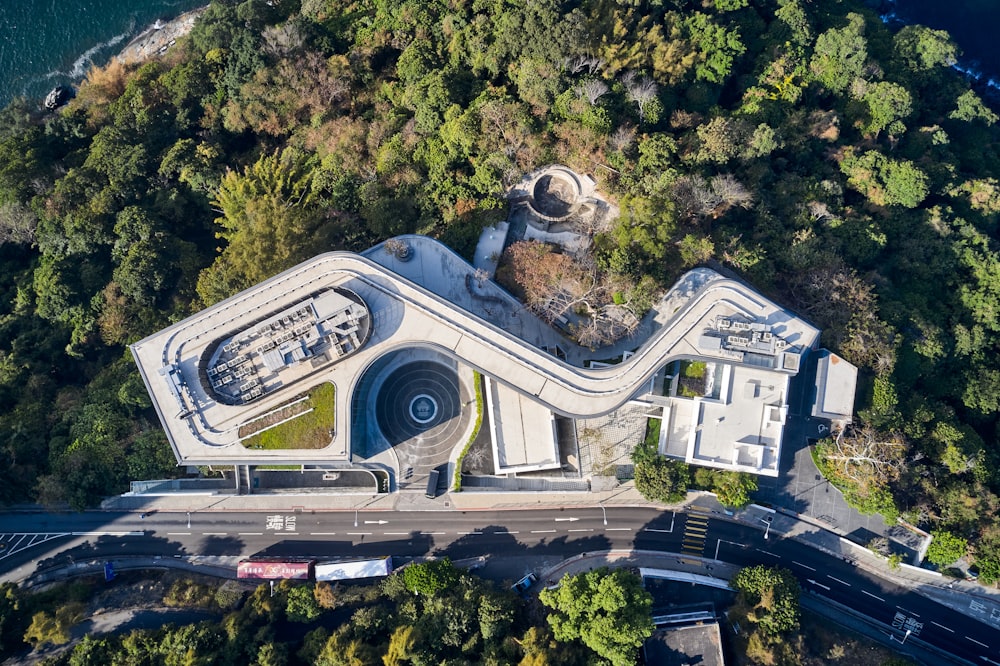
(905, 636)
(767, 521)
(604, 513)
(189, 519)
(355, 517)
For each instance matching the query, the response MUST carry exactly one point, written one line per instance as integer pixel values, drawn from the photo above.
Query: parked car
(525, 583)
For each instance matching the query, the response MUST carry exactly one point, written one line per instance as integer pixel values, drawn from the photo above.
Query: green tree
(717, 47)
(662, 480)
(840, 54)
(945, 548)
(922, 48)
(430, 578)
(969, 107)
(774, 595)
(887, 103)
(733, 488)
(609, 611)
(302, 605)
(885, 181)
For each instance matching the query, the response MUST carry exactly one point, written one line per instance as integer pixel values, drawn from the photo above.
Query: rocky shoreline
(158, 38)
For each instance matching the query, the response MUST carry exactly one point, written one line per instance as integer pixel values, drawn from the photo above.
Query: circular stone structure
(420, 399)
(423, 409)
(555, 194)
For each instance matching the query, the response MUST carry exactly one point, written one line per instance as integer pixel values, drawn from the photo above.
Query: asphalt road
(539, 537)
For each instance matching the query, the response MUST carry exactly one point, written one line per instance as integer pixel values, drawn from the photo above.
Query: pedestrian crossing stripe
(696, 521)
(696, 529)
(699, 509)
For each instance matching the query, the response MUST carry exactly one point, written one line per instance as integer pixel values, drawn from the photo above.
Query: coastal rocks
(59, 96)
(159, 37)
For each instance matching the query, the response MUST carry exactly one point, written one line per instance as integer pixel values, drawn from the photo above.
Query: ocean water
(44, 43)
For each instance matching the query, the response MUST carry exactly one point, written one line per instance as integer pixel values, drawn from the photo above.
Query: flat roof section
(681, 646)
(836, 382)
(523, 432)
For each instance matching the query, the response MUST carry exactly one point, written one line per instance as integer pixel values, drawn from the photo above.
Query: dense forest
(840, 167)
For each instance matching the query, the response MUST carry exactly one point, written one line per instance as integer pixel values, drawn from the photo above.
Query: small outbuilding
(836, 382)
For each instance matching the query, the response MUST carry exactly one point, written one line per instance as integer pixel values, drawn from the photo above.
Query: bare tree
(592, 64)
(731, 191)
(640, 89)
(865, 457)
(592, 90)
(280, 40)
(818, 210)
(695, 196)
(622, 138)
(17, 224)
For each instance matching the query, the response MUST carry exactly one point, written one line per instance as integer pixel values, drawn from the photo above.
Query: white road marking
(767, 553)
(214, 533)
(437, 533)
(250, 533)
(395, 533)
(359, 533)
(543, 531)
(942, 626)
(649, 529)
(582, 530)
(322, 533)
(618, 529)
(908, 611)
(872, 595)
(178, 534)
(465, 533)
(977, 642)
(804, 566)
(842, 582)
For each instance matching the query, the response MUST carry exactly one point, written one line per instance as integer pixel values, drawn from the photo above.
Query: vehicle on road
(525, 583)
(432, 484)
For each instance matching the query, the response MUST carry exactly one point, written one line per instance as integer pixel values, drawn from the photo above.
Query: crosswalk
(695, 531)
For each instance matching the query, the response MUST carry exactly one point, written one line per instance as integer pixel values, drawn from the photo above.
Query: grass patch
(313, 430)
(477, 380)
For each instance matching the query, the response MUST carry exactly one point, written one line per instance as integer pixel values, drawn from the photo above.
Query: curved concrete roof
(406, 314)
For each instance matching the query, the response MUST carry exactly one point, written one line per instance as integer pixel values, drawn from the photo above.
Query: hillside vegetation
(843, 169)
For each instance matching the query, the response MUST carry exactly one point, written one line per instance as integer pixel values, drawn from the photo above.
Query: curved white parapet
(403, 314)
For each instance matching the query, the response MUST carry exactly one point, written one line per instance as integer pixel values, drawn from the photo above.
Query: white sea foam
(80, 64)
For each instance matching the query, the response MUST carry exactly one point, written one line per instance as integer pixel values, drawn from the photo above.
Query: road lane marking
(178, 534)
(648, 529)
(766, 552)
(908, 611)
(214, 533)
(618, 529)
(843, 582)
(250, 533)
(322, 533)
(804, 566)
(977, 642)
(942, 626)
(359, 533)
(872, 595)
(438, 533)
(470, 533)
(543, 531)
(395, 533)
(582, 530)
